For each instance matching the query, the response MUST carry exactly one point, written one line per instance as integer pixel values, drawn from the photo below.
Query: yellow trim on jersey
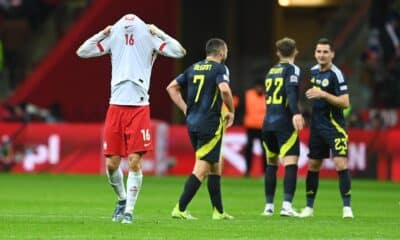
(337, 126)
(215, 97)
(270, 154)
(208, 147)
(223, 133)
(289, 143)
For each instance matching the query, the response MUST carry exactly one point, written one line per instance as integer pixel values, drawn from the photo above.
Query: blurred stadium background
(53, 103)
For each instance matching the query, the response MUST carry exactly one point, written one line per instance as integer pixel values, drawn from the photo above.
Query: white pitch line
(156, 218)
(53, 216)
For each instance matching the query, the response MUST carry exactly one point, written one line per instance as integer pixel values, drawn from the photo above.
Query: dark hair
(214, 45)
(325, 41)
(286, 46)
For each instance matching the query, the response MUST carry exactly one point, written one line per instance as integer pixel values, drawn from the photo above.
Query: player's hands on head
(154, 30)
(228, 119)
(315, 93)
(107, 30)
(298, 121)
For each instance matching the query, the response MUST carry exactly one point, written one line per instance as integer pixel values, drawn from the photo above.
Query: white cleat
(289, 212)
(347, 213)
(306, 212)
(268, 212)
(127, 218)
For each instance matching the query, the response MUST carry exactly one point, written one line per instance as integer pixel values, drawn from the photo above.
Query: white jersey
(133, 51)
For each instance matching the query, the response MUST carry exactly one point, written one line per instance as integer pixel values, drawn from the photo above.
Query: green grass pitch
(80, 207)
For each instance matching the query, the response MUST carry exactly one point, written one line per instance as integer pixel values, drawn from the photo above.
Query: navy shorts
(281, 143)
(322, 141)
(207, 144)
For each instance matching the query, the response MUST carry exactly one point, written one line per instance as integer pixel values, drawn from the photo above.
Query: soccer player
(207, 85)
(133, 46)
(282, 122)
(329, 95)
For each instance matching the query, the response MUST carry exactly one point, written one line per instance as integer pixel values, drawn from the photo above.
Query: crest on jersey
(325, 82)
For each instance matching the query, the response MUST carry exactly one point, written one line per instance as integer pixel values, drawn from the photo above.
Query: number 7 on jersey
(200, 80)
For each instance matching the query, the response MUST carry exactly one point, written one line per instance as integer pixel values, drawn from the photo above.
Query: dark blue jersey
(282, 86)
(203, 97)
(325, 115)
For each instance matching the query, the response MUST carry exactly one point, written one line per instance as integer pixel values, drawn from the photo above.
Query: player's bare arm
(174, 91)
(298, 121)
(90, 48)
(341, 101)
(172, 48)
(227, 98)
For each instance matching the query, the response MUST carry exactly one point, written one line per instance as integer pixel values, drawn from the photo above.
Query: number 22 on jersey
(273, 94)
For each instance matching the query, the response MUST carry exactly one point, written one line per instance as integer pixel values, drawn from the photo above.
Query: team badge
(325, 82)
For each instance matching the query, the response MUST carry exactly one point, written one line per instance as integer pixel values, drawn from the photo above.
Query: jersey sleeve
(97, 45)
(340, 86)
(167, 46)
(182, 79)
(105, 45)
(223, 74)
(157, 43)
(292, 79)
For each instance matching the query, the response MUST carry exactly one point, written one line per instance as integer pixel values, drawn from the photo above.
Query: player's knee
(273, 161)
(135, 168)
(215, 168)
(134, 162)
(112, 163)
(111, 168)
(215, 171)
(290, 160)
(314, 165)
(201, 173)
(341, 163)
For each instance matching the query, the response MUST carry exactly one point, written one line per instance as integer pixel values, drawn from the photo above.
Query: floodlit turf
(80, 207)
